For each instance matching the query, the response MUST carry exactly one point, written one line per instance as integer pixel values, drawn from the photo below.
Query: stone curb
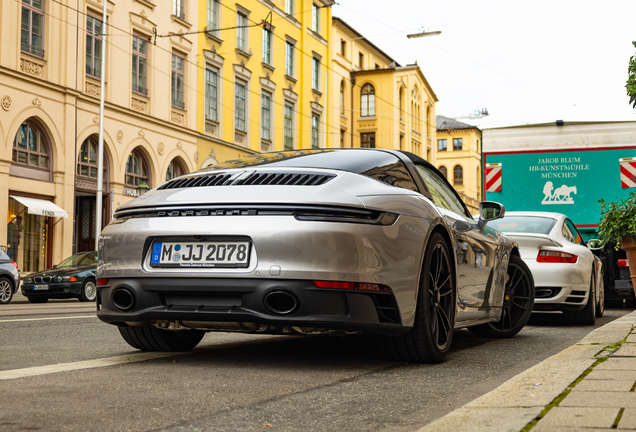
(518, 401)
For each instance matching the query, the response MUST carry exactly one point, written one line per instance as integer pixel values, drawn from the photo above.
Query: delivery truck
(566, 168)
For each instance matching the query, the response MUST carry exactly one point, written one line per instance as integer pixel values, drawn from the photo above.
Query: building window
(139, 66)
(211, 94)
(94, 30)
(213, 17)
(477, 149)
(367, 140)
(314, 132)
(241, 32)
(343, 47)
(458, 175)
(87, 162)
(178, 84)
(457, 143)
(289, 59)
(178, 8)
(137, 170)
(367, 101)
(266, 119)
(175, 169)
(401, 103)
(315, 74)
(288, 130)
(361, 60)
(342, 107)
(289, 7)
(443, 171)
(441, 145)
(32, 27)
(30, 146)
(239, 106)
(267, 46)
(342, 137)
(315, 18)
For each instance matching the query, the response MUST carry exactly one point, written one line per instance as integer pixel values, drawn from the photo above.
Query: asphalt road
(62, 369)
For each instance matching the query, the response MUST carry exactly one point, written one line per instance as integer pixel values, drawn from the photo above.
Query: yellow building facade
(50, 86)
(458, 157)
(262, 74)
(377, 102)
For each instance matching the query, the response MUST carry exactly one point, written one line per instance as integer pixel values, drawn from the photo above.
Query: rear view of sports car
(311, 242)
(567, 275)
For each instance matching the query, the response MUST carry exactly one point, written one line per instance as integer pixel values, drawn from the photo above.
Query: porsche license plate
(40, 287)
(204, 254)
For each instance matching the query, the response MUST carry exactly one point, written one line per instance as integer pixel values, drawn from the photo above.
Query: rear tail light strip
(359, 286)
(548, 256)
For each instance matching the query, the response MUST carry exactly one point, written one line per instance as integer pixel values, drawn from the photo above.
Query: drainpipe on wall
(353, 84)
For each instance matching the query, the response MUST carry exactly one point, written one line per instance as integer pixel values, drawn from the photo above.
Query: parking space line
(87, 364)
(45, 319)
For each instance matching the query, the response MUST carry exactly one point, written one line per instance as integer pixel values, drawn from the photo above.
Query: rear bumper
(231, 300)
(565, 286)
(56, 290)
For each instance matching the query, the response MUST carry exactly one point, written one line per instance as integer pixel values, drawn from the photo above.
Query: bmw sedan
(72, 278)
(568, 276)
(311, 242)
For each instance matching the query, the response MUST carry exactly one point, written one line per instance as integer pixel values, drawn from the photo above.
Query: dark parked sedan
(73, 277)
(9, 278)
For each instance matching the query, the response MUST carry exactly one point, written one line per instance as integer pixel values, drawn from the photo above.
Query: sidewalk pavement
(588, 386)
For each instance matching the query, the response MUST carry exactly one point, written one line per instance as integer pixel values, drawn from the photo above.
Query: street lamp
(424, 33)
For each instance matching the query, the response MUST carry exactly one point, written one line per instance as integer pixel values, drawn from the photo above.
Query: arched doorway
(86, 195)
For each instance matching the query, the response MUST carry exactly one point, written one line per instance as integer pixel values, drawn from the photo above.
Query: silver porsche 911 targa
(311, 242)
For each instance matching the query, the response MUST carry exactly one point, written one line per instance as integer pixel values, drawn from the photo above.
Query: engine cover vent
(252, 178)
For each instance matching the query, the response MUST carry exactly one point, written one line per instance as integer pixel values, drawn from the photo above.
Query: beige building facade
(458, 157)
(377, 102)
(50, 84)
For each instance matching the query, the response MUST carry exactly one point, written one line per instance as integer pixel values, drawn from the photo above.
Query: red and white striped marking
(628, 172)
(493, 177)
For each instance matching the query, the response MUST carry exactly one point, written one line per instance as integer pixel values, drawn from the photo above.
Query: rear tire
(517, 305)
(37, 299)
(149, 338)
(6, 290)
(587, 316)
(429, 340)
(600, 307)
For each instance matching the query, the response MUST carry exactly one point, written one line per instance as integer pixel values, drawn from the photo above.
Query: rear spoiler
(521, 236)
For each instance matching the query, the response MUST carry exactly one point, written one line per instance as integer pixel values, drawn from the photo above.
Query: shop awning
(40, 207)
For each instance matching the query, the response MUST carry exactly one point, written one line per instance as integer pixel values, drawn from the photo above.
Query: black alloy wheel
(517, 305)
(430, 338)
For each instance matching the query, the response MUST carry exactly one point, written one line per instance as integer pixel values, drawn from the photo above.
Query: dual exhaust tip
(277, 302)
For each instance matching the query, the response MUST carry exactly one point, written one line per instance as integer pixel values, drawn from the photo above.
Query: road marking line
(44, 319)
(87, 364)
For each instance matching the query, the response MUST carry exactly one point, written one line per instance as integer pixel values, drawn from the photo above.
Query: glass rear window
(523, 224)
(80, 260)
(379, 165)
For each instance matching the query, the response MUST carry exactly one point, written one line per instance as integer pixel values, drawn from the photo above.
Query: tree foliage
(618, 220)
(631, 79)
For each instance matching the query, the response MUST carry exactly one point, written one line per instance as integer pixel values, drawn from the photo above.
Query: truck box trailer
(565, 168)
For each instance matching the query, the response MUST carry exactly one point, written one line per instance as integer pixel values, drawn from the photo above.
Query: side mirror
(55, 266)
(490, 210)
(595, 244)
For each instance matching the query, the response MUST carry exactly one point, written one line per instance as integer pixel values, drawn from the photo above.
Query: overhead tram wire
(126, 33)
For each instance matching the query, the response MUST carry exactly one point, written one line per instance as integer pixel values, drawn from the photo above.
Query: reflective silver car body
(287, 249)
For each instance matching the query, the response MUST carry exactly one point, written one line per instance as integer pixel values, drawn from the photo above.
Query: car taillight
(622, 263)
(15, 264)
(547, 256)
(352, 286)
(101, 282)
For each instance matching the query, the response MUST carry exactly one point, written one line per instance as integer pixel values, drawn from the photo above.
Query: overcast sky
(526, 62)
